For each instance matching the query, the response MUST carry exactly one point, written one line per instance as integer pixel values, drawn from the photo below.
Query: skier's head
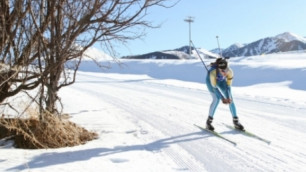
(221, 63)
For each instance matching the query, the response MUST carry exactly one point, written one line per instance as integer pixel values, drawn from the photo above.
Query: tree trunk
(52, 89)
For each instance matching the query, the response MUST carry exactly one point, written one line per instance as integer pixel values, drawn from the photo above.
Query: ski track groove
(174, 155)
(190, 165)
(154, 92)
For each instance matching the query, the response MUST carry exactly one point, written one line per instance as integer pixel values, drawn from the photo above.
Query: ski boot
(208, 124)
(237, 124)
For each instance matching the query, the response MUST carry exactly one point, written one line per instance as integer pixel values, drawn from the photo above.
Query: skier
(219, 79)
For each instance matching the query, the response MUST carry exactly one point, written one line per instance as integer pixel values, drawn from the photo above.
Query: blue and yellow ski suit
(219, 87)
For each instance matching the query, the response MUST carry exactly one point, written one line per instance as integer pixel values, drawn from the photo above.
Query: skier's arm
(213, 81)
(229, 77)
(229, 81)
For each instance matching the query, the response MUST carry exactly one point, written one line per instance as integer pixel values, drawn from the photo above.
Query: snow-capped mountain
(179, 53)
(280, 43)
(231, 48)
(157, 55)
(287, 37)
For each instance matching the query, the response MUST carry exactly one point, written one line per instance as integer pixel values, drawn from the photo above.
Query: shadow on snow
(56, 158)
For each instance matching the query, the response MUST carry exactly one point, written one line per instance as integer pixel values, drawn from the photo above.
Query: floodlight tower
(189, 20)
(220, 52)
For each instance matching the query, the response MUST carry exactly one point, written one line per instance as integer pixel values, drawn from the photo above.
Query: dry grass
(51, 133)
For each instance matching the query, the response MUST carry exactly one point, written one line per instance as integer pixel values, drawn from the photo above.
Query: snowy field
(144, 111)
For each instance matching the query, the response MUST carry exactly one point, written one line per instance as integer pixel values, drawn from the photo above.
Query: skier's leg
(236, 122)
(233, 108)
(212, 109)
(228, 94)
(213, 105)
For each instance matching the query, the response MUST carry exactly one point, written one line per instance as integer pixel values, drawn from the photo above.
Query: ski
(247, 133)
(216, 134)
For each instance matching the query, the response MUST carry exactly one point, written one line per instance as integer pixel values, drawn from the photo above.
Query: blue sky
(234, 21)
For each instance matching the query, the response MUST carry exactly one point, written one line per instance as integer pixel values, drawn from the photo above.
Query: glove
(229, 101)
(226, 101)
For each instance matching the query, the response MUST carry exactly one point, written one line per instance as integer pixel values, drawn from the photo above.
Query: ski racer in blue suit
(219, 80)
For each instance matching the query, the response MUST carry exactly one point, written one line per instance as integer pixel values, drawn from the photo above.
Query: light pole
(189, 20)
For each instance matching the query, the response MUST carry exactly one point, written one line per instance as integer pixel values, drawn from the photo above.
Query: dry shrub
(52, 132)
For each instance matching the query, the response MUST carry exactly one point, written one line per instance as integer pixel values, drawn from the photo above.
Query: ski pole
(199, 55)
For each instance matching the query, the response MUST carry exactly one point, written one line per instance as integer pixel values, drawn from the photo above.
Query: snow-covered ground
(144, 111)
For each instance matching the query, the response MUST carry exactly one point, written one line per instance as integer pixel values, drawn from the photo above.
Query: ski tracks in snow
(166, 115)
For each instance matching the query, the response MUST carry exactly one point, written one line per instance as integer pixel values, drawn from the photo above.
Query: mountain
(280, 43)
(156, 55)
(179, 53)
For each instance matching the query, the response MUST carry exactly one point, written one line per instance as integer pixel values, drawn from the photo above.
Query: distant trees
(42, 41)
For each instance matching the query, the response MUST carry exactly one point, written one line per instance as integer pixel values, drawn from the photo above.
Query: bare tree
(42, 42)
(18, 41)
(77, 25)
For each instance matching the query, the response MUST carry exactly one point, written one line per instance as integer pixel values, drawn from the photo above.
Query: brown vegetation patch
(52, 132)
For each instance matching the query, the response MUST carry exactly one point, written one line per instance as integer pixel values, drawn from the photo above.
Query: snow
(95, 54)
(144, 111)
(287, 36)
(204, 52)
(181, 55)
